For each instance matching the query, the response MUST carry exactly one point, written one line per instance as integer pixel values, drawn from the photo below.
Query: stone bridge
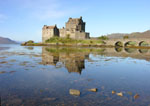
(125, 42)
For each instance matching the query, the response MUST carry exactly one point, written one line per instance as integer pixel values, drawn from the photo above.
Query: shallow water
(44, 75)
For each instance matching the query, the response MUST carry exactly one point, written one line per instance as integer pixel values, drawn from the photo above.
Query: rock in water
(120, 94)
(2, 72)
(74, 92)
(113, 92)
(136, 96)
(49, 99)
(93, 90)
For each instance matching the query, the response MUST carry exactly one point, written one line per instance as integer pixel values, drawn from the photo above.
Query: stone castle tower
(75, 29)
(49, 31)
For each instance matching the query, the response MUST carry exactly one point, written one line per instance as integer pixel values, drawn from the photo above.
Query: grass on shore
(73, 41)
(73, 50)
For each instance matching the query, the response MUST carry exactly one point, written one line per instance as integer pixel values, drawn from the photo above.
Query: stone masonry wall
(47, 33)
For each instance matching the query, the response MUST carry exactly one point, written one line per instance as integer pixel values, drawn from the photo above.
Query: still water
(43, 76)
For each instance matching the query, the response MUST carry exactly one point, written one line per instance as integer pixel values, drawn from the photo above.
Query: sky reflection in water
(44, 75)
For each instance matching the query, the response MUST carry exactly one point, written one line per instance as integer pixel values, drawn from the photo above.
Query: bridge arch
(143, 43)
(118, 49)
(119, 44)
(130, 50)
(143, 50)
(130, 43)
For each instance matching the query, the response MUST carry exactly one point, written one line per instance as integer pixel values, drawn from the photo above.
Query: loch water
(43, 76)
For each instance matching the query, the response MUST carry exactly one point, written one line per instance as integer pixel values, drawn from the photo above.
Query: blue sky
(23, 20)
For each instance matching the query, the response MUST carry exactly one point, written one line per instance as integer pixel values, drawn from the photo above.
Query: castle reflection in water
(74, 58)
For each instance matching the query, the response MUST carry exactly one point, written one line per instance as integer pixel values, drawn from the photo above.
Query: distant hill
(6, 41)
(145, 34)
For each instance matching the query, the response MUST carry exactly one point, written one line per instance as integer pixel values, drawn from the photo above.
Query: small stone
(3, 62)
(93, 90)
(2, 72)
(113, 92)
(136, 96)
(74, 92)
(2, 57)
(49, 99)
(120, 94)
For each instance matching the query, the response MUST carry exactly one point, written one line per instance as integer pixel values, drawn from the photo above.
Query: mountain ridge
(4, 40)
(145, 34)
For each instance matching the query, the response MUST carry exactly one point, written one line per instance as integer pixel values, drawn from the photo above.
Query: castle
(75, 29)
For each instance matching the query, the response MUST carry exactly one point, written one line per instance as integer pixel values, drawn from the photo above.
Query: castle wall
(80, 35)
(56, 32)
(83, 27)
(74, 35)
(71, 33)
(75, 25)
(62, 33)
(70, 26)
(46, 34)
(87, 35)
